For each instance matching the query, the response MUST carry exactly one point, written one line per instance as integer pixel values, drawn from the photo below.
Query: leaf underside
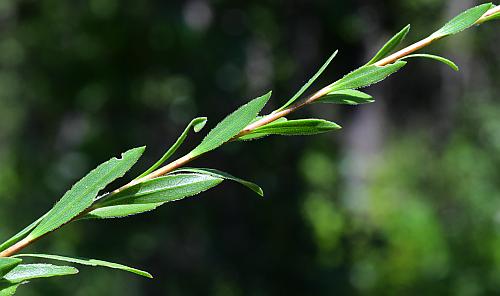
(299, 127)
(89, 262)
(220, 174)
(24, 272)
(346, 96)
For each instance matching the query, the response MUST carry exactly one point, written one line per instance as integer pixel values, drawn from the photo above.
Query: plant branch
(251, 127)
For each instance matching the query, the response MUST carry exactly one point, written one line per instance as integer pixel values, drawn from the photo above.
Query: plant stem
(251, 127)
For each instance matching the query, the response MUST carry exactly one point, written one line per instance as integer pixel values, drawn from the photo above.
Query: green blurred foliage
(81, 81)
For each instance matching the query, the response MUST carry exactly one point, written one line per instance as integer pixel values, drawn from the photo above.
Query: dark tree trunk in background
(364, 130)
(453, 84)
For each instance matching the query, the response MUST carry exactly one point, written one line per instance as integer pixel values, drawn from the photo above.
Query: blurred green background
(405, 200)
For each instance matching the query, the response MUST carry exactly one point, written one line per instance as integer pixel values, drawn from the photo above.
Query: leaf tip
(199, 123)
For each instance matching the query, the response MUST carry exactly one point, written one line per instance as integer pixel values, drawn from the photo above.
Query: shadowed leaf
(89, 262)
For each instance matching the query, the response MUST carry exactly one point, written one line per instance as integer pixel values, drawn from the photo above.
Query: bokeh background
(404, 200)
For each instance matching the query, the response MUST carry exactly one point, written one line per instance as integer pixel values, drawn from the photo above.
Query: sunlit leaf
(162, 189)
(231, 125)
(7, 264)
(219, 174)
(89, 262)
(346, 96)
(462, 21)
(196, 124)
(365, 76)
(82, 194)
(24, 272)
(434, 57)
(299, 127)
(121, 211)
(311, 81)
(390, 45)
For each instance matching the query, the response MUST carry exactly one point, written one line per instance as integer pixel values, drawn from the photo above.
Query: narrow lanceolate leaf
(21, 234)
(219, 174)
(162, 189)
(390, 45)
(346, 96)
(196, 124)
(231, 125)
(7, 264)
(434, 57)
(24, 272)
(82, 194)
(462, 21)
(121, 211)
(311, 81)
(365, 76)
(89, 262)
(299, 127)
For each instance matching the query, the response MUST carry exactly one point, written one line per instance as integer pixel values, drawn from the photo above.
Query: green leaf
(462, 21)
(493, 16)
(21, 234)
(311, 81)
(162, 189)
(121, 211)
(7, 264)
(220, 174)
(299, 127)
(89, 262)
(197, 124)
(346, 96)
(24, 272)
(390, 45)
(8, 289)
(433, 57)
(231, 125)
(82, 194)
(365, 76)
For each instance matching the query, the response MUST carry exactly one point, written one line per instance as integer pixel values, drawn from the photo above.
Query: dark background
(405, 200)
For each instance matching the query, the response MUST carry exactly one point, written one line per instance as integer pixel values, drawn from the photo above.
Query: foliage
(157, 186)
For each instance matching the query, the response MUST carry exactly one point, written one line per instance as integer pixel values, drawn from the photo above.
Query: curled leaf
(196, 124)
(434, 57)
